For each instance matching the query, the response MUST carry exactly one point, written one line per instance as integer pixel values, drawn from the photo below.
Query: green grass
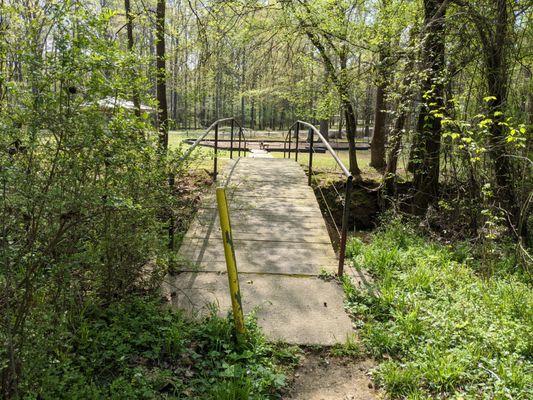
(138, 350)
(325, 162)
(201, 157)
(440, 329)
(225, 134)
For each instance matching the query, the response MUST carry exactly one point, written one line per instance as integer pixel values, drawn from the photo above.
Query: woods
(97, 96)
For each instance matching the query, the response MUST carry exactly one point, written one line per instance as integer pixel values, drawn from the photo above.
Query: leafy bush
(441, 329)
(84, 197)
(137, 350)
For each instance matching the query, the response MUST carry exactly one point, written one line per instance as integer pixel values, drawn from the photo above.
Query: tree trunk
(427, 151)
(186, 78)
(341, 113)
(324, 128)
(281, 123)
(203, 110)
(497, 77)
(129, 29)
(162, 106)
(342, 85)
(529, 99)
(351, 127)
(377, 147)
(262, 118)
(243, 83)
(161, 85)
(389, 177)
(252, 115)
(367, 111)
(218, 87)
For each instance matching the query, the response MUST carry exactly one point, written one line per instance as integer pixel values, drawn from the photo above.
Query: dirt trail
(323, 377)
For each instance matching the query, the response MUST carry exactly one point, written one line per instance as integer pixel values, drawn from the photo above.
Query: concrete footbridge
(282, 251)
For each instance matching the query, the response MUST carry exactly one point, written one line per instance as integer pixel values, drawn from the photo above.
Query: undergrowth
(138, 350)
(440, 328)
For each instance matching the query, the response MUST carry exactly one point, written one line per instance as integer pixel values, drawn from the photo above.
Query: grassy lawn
(224, 133)
(201, 157)
(323, 162)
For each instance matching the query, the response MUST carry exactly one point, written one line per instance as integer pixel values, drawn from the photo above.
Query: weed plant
(440, 328)
(137, 350)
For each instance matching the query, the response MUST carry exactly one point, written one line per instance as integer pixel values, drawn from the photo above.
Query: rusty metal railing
(215, 125)
(346, 172)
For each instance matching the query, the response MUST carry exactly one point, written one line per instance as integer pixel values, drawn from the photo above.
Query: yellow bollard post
(229, 252)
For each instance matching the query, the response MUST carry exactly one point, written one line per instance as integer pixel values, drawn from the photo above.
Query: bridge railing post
(215, 166)
(231, 140)
(297, 131)
(240, 140)
(345, 221)
(311, 143)
(290, 143)
(285, 146)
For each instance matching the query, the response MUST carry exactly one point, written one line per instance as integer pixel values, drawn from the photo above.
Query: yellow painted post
(231, 263)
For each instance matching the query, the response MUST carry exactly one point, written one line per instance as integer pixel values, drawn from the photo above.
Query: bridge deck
(281, 246)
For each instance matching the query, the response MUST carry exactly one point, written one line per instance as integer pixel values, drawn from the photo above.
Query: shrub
(83, 193)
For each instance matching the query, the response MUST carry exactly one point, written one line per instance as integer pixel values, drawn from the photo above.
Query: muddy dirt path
(323, 377)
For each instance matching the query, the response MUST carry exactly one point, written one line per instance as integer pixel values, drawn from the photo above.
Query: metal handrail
(349, 178)
(321, 137)
(197, 141)
(215, 125)
(241, 133)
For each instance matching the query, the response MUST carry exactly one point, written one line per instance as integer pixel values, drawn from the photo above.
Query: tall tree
(493, 23)
(129, 29)
(427, 145)
(377, 146)
(404, 93)
(316, 29)
(161, 73)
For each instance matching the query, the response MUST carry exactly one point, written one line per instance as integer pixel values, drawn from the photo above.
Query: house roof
(109, 103)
